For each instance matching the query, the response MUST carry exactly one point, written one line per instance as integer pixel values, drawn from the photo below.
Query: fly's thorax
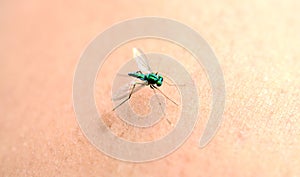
(153, 78)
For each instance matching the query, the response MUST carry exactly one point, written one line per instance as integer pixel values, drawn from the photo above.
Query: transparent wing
(125, 90)
(141, 60)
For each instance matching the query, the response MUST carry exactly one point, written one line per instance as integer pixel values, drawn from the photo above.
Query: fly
(145, 76)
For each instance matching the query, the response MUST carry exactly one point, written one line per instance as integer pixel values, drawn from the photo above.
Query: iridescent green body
(151, 78)
(145, 74)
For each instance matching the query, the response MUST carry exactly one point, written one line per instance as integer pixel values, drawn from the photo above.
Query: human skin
(257, 44)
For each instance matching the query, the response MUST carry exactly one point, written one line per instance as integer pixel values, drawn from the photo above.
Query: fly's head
(160, 81)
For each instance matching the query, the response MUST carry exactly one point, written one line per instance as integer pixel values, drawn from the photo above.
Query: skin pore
(257, 44)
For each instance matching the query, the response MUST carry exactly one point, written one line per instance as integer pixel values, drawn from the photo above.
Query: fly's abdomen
(137, 75)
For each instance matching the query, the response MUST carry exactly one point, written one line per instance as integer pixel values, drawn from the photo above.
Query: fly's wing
(141, 61)
(125, 90)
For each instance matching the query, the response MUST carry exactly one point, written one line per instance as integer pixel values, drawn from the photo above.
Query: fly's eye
(159, 83)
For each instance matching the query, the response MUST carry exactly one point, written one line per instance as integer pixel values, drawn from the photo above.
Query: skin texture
(257, 44)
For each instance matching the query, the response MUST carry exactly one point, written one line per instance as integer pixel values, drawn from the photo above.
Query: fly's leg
(157, 99)
(128, 96)
(165, 95)
(160, 104)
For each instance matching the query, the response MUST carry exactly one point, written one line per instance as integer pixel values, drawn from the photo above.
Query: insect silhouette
(144, 77)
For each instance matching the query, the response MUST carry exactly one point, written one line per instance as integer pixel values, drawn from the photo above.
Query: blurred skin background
(257, 44)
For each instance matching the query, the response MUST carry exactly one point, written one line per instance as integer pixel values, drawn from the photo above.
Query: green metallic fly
(146, 77)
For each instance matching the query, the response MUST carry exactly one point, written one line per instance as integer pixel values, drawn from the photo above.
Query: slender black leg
(165, 95)
(160, 104)
(126, 98)
(158, 100)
